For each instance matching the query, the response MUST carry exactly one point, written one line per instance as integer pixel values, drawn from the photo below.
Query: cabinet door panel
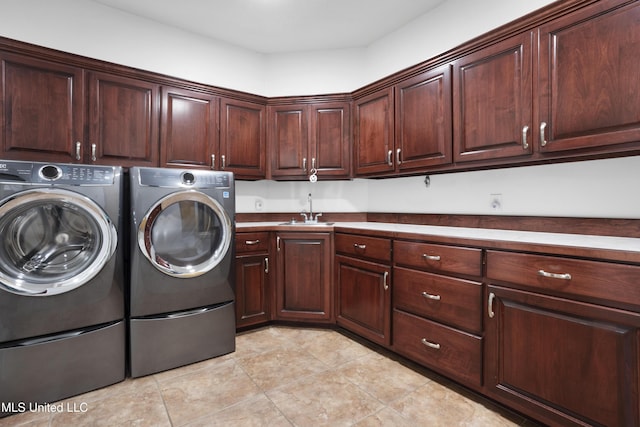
(330, 139)
(289, 140)
(189, 129)
(374, 133)
(590, 91)
(243, 138)
(251, 290)
(304, 289)
(41, 109)
(492, 101)
(123, 117)
(364, 298)
(577, 362)
(423, 119)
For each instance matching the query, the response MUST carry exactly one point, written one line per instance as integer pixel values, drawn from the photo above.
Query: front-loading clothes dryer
(181, 289)
(62, 323)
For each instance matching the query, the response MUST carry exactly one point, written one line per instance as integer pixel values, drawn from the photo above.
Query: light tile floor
(283, 376)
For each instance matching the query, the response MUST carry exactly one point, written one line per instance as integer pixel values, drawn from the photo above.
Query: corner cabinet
(304, 290)
(560, 342)
(310, 137)
(363, 286)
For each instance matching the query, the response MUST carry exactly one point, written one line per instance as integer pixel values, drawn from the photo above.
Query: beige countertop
(615, 248)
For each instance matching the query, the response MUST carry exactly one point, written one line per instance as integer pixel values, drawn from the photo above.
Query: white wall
(603, 188)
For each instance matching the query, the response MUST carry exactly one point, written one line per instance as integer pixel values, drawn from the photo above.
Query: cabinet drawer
(440, 347)
(252, 242)
(615, 284)
(448, 300)
(362, 246)
(450, 259)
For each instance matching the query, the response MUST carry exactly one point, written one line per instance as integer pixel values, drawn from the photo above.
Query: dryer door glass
(52, 241)
(186, 234)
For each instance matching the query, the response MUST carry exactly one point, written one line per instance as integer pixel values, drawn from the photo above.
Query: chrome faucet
(310, 218)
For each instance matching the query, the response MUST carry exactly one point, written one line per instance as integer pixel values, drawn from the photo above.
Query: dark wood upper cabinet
(189, 129)
(42, 110)
(589, 93)
(304, 137)
(243, 149)
(374, 133)
(330, 148)
(492, 101)
(289, 140)
(423, 120)
(123, 120)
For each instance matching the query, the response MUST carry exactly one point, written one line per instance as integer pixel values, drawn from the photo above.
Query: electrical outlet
(495, 201)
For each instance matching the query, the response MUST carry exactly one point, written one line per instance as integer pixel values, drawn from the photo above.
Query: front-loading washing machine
(62, 323)
(181, 306)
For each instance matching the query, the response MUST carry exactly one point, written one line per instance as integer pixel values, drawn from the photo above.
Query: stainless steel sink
(294, 222)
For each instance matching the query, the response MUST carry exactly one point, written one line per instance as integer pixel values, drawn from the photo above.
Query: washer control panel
(50, 173)
(176, 178)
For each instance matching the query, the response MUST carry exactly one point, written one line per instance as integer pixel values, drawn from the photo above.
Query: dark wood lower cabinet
(252, 300)
(304, 289)
(363, 298)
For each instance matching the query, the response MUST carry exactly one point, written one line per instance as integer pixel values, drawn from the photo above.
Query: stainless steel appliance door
(185, 234)
(52, 241)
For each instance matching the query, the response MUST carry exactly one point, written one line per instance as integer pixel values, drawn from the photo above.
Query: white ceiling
(281, 26)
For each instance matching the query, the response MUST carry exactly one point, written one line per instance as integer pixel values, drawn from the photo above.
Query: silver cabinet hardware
(304, 164)
(492, 296)
(390, 158)
(430, 344)
(78, 148)
(278, 243)
(398, 156)
(93, 152)
(525, 144)
(359, 246)
(213, 162)
(384, 279)
(431, 257)
(561, 276)
(223, 159)
(431, 296)
(266, 264)
(252, 242)
(313, 163)
(543, 127)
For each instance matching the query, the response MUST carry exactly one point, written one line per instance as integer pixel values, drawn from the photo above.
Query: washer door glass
(185, 234)
(53, 241)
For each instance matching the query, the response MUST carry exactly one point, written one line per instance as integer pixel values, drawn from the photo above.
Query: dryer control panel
(50, 173)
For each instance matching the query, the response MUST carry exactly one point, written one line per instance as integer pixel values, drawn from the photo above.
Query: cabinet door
(289, 140)
(364, 298)
(589, 86)
(303, 290)
(243, 138)
(567, 362)
(423, 120)
(189, 129)
(123, 119)
(42, 110)
(374, 133)
(330, 149)
(492, 102)
(252, 302)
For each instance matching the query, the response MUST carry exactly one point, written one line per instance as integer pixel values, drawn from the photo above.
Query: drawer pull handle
(385, 279)
(266, 265)
(252, 242)
(431, 257)
(431, 296)
(357, 246)
(430, 344)
(561, 276)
